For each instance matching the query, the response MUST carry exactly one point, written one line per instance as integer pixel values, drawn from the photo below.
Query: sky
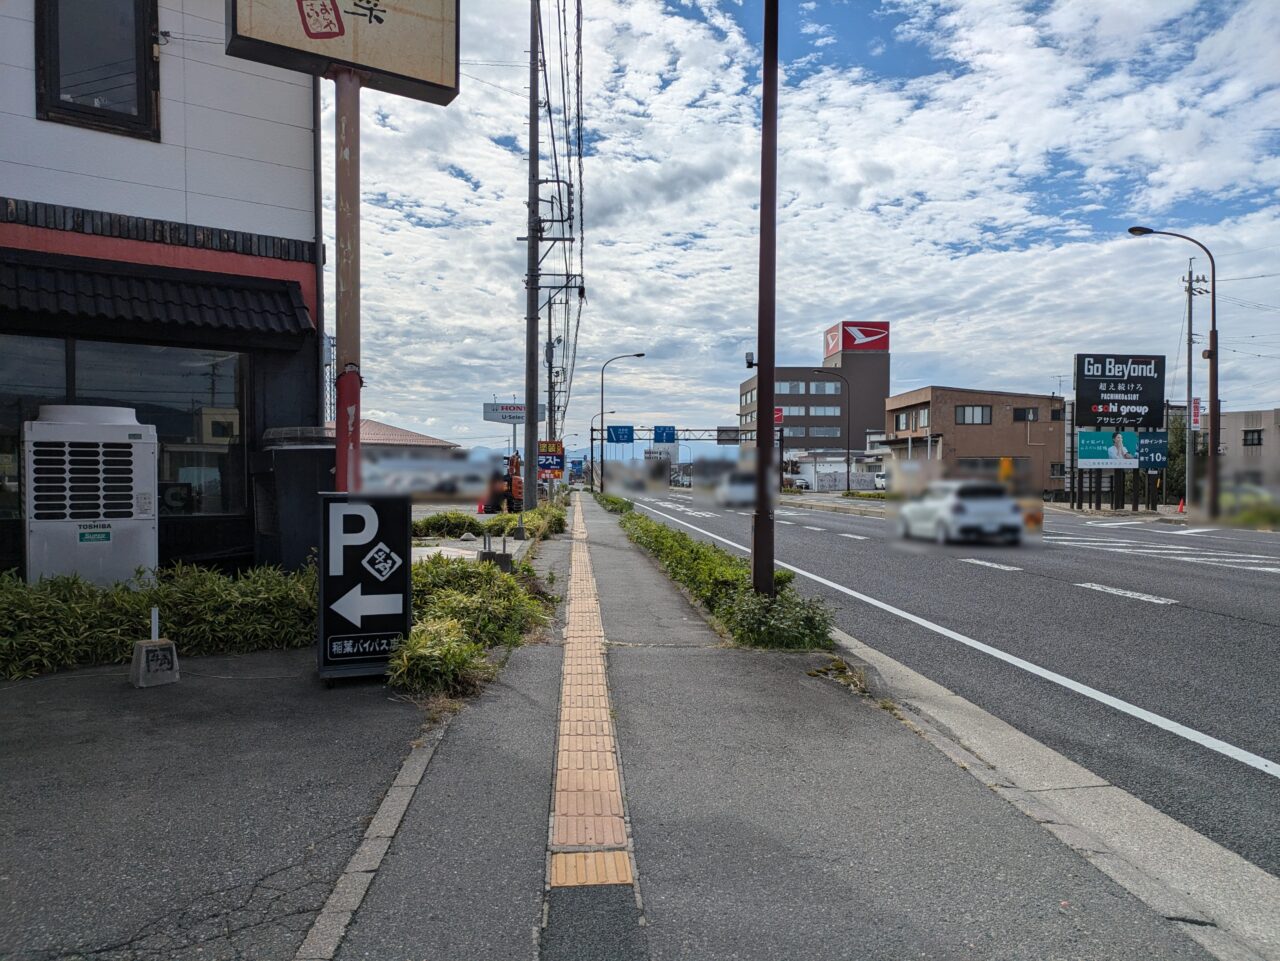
(965, 169)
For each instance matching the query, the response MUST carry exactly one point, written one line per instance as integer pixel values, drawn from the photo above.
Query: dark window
(1253, 438)
(975, 414)
(96, 65)
(33, 371)
(1021, 414)
(1055, 413)
(1057, 470)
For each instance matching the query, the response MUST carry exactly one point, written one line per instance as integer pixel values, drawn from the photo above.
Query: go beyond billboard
(1107, 450)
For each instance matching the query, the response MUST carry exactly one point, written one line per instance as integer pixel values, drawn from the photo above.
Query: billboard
(1107, 450)
(1119, 390)
(863, 335)
(1153, 450)
(405, 47)
(512, 413)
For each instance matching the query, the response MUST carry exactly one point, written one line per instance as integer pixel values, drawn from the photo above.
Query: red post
(347, 271)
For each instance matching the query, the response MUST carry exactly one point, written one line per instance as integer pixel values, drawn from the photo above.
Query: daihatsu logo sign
(863, 335)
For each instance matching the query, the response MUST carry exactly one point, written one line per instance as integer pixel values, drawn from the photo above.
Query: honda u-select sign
(1119, 390)
(364, 582)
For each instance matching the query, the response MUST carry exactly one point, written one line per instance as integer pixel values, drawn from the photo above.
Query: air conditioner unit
(89, 493)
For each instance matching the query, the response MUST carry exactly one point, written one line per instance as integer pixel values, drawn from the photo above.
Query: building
(1250, 448)
(969, 432)
(159, 250)
(379, 438)
(827, 411)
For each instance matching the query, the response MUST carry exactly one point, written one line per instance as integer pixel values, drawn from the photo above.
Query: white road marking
(1190, 552)
(1165, 724)
(999, 567)
(1135, 595)
(854, 537)
(1113, 523)
(1193, 530)
(808, 528)
(788, 523)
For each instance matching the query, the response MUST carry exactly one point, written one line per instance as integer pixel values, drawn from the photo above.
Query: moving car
(962, 510)
(881, 481)
(799, 483)
(736, 488)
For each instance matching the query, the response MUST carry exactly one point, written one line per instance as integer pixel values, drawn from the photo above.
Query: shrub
(448, 524)
(538, 523)
(614, 505)
(722, 582)
(1262, 517)
(493, 607)
(437, 658)
(64, 622)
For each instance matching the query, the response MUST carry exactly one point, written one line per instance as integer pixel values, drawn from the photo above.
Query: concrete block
(154, 663)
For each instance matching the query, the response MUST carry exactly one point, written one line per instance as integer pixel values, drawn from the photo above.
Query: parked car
(799, 483)
(962, 510)
(736, 488)
(882, 483)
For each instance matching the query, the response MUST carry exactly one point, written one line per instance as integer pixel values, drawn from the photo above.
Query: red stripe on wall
(74, 244)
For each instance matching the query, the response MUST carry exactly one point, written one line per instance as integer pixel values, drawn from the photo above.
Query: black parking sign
(364, 582)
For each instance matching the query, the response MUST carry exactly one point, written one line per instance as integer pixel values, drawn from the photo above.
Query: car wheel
(940, 534)
(903, 530)
(1013, 540)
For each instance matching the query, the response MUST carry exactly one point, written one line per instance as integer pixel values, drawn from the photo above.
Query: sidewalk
(768, 814)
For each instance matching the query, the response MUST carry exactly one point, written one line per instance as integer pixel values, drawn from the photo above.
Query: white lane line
(999, 567)
(1134, 595)
(854, 537)
(1193, 530)
(1113, 523)
(808, 528)
(1156, 720)
(788, 523)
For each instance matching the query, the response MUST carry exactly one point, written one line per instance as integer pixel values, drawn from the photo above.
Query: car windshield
(741, 479)
(977, 492)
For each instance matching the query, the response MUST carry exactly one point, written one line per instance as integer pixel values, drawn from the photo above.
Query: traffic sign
(664, 435)
(365, 606)
(621, 435)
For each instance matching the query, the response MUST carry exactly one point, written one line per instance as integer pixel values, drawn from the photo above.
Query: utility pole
(762, 521)
(1191, 282)
(532, 280)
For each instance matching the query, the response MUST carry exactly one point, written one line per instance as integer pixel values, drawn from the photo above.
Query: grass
(614, 505)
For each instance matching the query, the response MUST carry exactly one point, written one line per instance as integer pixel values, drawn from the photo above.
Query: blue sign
(1153, 450)
(622, 435)
(551, 462)
(664, 435)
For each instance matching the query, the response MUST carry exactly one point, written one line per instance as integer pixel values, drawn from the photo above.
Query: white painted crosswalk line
(1190, 552)
(1133, 595)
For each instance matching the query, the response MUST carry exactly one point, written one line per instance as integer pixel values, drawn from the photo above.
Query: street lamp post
(1212, 355)
(602, 367)
(593, 440)
(848, 432)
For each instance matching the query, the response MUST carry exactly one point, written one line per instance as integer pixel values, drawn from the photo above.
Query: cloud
(979, 206)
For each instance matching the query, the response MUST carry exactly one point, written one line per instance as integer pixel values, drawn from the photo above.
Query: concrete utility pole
(762, 521)
(532, 281)
(347, 271)
(1191, 437)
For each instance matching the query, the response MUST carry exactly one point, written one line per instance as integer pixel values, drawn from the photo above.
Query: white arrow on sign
(355, 606)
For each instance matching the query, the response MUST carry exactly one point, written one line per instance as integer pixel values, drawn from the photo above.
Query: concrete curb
(330, 926)
(1228, 905)
(835, 508)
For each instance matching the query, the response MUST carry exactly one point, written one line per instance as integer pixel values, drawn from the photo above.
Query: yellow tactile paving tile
(583, 780)
(575, 868)
(586, 761)
(589, 832)
(588, 803)
(600, 744)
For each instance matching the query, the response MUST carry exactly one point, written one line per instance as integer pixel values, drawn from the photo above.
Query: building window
(824, 411)
(824, 431)
(793, 432)
(95, 65)
(1253, 438)
(747, 435)
(975, 414)
(33, 371)
(922, 417)
(793, 411)
(1056, 413)
(789, 387)
(1021, 414)
(1057, 470)
(828, 387)
(902, 421)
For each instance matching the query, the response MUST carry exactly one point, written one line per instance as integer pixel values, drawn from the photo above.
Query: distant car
(881, 482)
(962, 510)
(799, 483)
(736, 488)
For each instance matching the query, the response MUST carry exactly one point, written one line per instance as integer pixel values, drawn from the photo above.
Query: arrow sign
(355, 606)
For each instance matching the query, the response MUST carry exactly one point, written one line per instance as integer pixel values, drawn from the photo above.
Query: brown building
(827, 412)
(971, 431)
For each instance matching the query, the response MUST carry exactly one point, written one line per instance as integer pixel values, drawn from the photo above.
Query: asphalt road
(1190, 642)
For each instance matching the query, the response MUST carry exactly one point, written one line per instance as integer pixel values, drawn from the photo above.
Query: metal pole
(762, 520)
(602, 432)
(1215, 426)
(347, 274)
(1191, 440)
(531, 280)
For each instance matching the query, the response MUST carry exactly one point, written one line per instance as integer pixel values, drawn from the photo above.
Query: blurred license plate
(990, 528)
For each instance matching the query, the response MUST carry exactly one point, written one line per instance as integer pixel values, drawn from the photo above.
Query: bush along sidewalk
(722, 583)
(538, 523)
(614, 505)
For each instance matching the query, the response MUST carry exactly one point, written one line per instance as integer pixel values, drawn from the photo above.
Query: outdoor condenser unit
(89, 493)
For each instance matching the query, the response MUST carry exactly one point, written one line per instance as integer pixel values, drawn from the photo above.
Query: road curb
(836, 508)
(1228, 905)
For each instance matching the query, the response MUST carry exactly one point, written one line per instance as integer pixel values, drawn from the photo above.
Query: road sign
(1153, 450)
(364, 582)
(510, 413)
(728, 436)
(777, 417)
(622, 435)
(664, 435)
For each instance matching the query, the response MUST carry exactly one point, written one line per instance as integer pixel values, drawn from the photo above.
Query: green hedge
(722, 582)
(614, 505)
(437, 658)
(538, 523)
(492, 606)
(64, 622)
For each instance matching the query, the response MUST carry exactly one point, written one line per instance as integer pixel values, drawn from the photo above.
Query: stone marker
(501, 558)
(154, 662)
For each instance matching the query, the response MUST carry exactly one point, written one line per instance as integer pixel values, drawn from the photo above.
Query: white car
(962, 510)
(881, 482)
(736, 488)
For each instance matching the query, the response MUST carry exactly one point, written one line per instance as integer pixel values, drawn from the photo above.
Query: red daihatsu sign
(777, 417)
(862, 335)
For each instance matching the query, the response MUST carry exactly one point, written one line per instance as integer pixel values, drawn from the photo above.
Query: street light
(848, 433)
(680, 447)
(593, 440)
(1212, 355)
(602, 367)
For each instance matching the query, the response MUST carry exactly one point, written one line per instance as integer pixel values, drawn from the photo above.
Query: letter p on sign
(340, 537)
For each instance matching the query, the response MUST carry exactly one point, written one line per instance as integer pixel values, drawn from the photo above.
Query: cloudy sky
(965, 169)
